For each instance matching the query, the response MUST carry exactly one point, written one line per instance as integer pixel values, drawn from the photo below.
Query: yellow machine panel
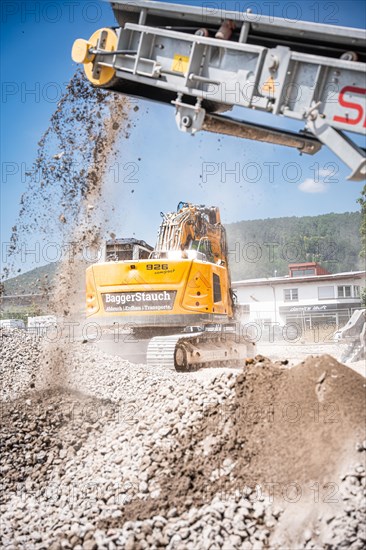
(151, 288)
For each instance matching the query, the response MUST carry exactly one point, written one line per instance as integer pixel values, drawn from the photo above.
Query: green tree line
(265, 248)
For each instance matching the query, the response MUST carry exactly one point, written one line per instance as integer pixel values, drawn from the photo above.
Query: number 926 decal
(157, 267)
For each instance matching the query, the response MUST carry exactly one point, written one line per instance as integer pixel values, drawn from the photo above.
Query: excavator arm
(207, 61)
(195, 229)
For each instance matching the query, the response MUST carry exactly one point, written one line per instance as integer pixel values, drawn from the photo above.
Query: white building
(307, 296)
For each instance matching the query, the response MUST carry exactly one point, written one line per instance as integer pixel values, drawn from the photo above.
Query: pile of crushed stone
(121, 455)
(20, 360)
(283, 424)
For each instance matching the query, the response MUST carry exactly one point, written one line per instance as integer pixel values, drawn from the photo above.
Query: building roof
(129, 241)
(305, 264)
(302, 279)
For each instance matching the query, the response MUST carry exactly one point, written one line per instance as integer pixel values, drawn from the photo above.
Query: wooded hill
(262, 248)
(31, 282)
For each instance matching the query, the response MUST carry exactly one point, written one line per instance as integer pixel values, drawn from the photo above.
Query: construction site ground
(276, 351)
(102, 453)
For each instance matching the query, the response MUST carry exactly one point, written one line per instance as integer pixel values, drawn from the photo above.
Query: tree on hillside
(264, 248)
(363, 297)
(362, 202)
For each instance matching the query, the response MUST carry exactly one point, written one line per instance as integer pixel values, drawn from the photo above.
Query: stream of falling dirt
(63, 198)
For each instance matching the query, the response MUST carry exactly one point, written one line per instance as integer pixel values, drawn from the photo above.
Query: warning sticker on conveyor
(269, 86)
(180, 63)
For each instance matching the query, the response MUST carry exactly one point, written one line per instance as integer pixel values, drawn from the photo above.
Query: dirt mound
(284, 425)
(285, 430)
(294, 424)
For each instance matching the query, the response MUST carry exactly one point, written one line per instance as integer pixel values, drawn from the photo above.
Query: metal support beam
(228, 126)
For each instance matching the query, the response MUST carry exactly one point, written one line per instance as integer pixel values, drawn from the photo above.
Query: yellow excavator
(178, 294)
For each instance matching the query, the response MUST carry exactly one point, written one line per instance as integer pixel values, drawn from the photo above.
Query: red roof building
(306, 269)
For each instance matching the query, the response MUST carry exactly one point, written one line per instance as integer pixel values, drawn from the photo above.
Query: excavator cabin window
(203, 246)
(217, 288)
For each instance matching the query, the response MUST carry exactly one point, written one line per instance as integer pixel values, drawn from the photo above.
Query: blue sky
(237, 175)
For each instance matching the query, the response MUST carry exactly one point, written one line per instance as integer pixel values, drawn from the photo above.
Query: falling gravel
(64, 199)
(66, 181)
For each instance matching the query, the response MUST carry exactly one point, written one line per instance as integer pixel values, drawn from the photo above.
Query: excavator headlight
(174, 255)
(90, 298)
(91, 303)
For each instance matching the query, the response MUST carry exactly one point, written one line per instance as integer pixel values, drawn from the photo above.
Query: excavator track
(183, 352)
(160, 350)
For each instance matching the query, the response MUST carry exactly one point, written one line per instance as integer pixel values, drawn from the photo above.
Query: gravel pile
(235, 522)
(346, 529)
(100, 453)
(20, 357)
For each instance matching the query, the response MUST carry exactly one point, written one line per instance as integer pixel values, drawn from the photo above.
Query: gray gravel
(20, 355)
(77, 456)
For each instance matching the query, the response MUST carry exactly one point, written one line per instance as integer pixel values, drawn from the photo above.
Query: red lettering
(351, 105)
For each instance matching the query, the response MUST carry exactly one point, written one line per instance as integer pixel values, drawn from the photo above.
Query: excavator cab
(117, 250)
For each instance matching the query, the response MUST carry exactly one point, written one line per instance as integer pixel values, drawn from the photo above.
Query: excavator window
(217, 288)
(203, 246)
(117, 252)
